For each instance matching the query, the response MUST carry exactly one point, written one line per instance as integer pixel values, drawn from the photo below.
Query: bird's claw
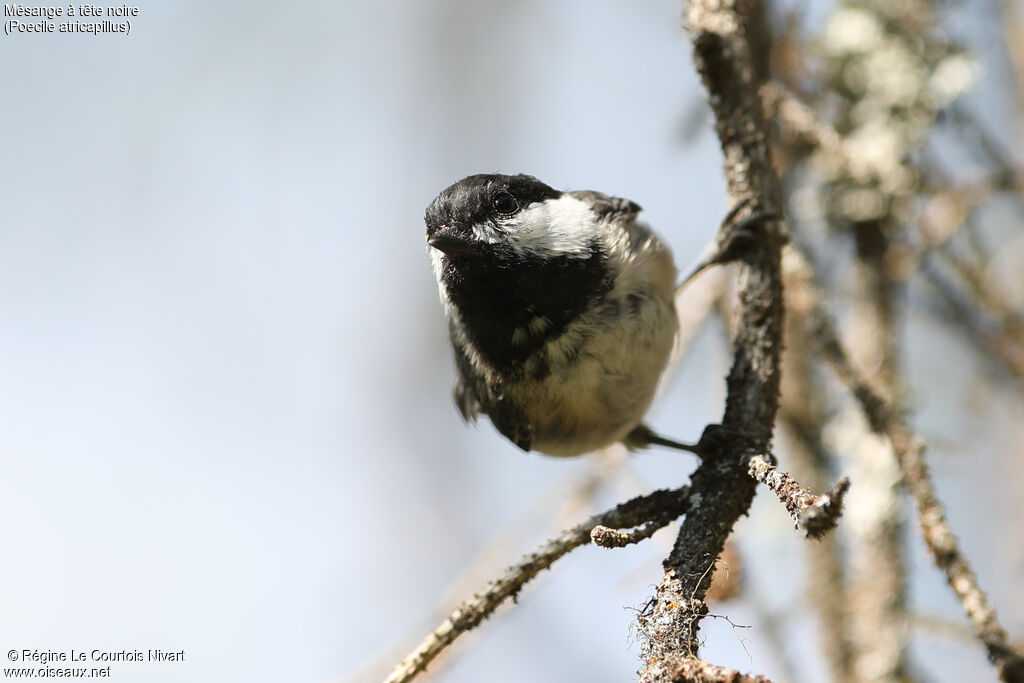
(718, 440)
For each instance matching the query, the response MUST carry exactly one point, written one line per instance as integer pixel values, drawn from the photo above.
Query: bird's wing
(473, 395)
(511, 422)
(606, 206)
(464, 391)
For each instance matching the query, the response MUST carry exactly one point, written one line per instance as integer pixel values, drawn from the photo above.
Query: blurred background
(225, 414)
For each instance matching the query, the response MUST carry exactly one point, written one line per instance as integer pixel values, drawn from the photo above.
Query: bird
(561, 311)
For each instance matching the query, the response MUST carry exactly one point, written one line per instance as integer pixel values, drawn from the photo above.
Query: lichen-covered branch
(650, 512)
(719, 29)
(704, 672)
(814, 515)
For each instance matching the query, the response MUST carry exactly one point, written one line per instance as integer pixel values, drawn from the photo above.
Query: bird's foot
(735, 238)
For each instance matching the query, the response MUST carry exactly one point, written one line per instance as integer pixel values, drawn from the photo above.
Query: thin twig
(814, 515)
(569, 495)
(909, 449)
(607, 537)
(654, 509)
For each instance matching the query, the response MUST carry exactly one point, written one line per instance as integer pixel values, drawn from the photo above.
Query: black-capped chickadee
(561, 310)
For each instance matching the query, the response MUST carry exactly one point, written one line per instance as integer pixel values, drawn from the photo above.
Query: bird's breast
(591, 385)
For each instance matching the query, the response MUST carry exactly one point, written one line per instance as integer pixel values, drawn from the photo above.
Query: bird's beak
(447, 240)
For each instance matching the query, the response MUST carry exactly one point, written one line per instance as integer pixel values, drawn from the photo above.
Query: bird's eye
(505, 203)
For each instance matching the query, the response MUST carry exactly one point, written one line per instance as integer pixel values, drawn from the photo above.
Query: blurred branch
(875, 587)
(1000, 339)
(978, 306)
(1008, 175)
(802, 414)
(988, 298)
(909, 448)
(781, 103)
(651, 511)
(1012, 29)
(669, 628)
(947, 628)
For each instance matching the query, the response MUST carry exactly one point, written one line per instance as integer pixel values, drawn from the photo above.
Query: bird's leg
(734, 237)
(642, 437)
(716, 440)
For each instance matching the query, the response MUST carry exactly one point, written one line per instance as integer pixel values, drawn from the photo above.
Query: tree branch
(669, 629)
(703, 672)
(814, 515)
(650, 512)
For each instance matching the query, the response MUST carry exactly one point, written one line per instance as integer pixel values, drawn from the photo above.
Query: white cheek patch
(437, 261)
(486, 234)
(556, 227)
